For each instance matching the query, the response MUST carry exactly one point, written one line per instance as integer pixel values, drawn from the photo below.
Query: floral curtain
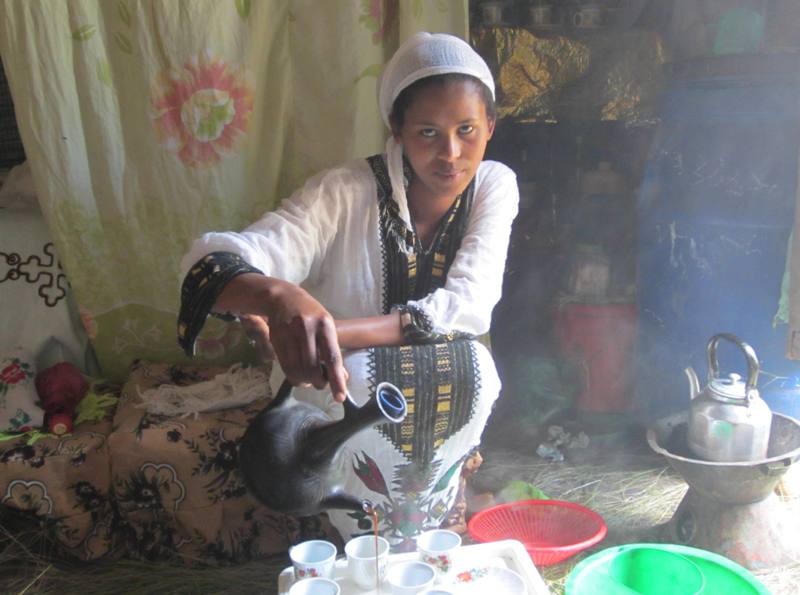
(149, 122)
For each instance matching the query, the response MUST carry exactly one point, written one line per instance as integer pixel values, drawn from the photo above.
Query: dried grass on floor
(635, 493)
(27, 566)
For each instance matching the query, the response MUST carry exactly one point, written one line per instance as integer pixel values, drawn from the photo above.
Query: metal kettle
(289, 454)
(728, 420)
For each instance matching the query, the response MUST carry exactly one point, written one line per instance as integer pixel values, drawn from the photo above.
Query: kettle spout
(694, 382)
(341, 501)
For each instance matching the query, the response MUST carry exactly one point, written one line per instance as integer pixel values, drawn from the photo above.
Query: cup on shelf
(311, 559)
(588, 16)
(437, 548)
(315, 586)
(492, 12)
(540, 15)
(410, 578)
(361, 555)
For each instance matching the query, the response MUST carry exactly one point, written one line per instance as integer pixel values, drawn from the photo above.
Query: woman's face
(444, 136)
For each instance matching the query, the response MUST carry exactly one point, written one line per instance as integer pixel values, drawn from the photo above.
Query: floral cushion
(62, 483)
(19, 408)
(155, 487)
(177, 486)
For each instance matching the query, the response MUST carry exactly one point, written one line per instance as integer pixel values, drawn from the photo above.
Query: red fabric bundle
(60, 387)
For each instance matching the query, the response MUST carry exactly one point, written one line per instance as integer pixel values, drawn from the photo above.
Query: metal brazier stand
(731, 508)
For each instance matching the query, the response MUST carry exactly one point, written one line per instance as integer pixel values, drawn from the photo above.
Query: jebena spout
(288, 453)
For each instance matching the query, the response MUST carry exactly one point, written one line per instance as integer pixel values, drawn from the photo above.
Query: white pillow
(33, 281)
(19, 402)
(18, 186)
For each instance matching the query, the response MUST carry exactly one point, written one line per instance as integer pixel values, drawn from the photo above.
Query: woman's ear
(396, 130)
(492, 122)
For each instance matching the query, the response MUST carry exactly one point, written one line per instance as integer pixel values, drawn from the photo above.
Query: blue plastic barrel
(783, 395)
(716, 208)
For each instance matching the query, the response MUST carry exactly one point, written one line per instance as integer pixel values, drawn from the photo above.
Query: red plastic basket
(551, 530)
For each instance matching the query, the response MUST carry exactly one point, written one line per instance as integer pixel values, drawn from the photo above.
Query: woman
(397, 262)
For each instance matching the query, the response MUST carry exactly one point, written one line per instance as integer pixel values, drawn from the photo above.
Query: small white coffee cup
(437, 548)
(315, 558)
(541, 14)
(587, 17)
(409, 578)
(437, 591)
(492, 12)
(315, 586)
(361, 560)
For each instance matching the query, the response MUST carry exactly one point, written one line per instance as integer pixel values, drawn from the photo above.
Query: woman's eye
(466, 129)
(428, 132)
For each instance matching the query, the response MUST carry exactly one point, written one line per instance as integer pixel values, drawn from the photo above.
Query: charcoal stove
(731, 508)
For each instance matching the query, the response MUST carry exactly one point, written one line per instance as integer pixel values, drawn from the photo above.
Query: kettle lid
(729, 388)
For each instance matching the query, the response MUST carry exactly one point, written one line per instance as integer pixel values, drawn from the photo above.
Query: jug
(289, 453)
(728, 420)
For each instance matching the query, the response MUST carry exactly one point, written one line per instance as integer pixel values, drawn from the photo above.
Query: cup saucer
(478, 581)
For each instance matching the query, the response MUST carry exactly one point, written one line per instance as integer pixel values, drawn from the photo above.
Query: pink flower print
(379, 16)
(201, 110)
(442, 562)
(465, 577)
(12, 373)
(471, 575)
(369, 473)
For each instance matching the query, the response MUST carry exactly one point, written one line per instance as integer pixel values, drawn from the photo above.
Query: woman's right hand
(303, 335)
(301, 331)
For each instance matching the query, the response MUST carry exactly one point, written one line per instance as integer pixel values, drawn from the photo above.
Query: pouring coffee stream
(289, 453)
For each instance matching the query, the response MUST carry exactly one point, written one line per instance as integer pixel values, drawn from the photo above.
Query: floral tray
(474, 571)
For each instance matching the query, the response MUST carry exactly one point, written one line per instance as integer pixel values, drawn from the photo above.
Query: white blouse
(326, 238)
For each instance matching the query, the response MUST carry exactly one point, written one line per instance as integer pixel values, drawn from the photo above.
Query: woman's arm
(301, 331)
(375, 331)
(256, 274)
(283, 318)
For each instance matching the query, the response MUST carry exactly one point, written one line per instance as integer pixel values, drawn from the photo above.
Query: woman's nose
(450, 148)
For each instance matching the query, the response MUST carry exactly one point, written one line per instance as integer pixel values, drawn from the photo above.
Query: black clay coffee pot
(289, 453)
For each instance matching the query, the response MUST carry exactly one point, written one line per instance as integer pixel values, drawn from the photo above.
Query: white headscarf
(428, 54)
(422, 55)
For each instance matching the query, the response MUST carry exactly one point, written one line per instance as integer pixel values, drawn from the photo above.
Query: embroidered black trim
(200, 290)
(410, 271)
(383, 186)
(418, 327)
(440, 381)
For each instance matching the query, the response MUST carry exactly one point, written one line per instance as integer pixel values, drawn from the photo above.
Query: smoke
(675, 200)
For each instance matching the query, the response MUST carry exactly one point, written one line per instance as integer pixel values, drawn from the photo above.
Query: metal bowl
(730, 483)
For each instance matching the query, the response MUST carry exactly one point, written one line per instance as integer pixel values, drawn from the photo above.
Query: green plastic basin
(660, 569)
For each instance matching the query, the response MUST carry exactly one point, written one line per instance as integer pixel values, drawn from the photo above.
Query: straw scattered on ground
(28, 566)
(636, 493)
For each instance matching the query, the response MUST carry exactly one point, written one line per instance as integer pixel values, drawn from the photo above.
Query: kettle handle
(749, 354)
